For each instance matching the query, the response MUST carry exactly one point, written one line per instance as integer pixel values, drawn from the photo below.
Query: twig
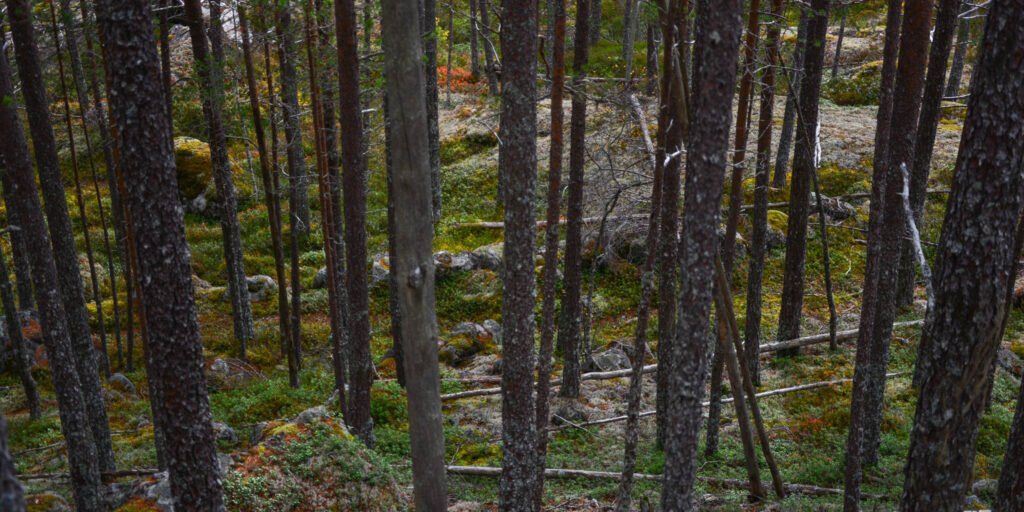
(915, 237)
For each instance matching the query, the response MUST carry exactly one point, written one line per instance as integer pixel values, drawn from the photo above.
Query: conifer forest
(511, 255)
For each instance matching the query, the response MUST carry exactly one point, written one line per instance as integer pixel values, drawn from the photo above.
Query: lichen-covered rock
(195, 167)
(317, 466)
(121, 383)
(467, 340)
(861, 88)
(607, 361)
(261, 287)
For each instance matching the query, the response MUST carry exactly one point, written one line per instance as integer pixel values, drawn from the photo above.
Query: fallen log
(586, 376)
(111, 475)
(807, 490)
(543, 223)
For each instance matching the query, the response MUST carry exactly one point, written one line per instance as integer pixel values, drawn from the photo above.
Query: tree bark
(490, 52)
(12, 496)
(963, 42)
(21, 361)
(792, 97)
(718, 29)
(59, 223)
(924, 142)
(428, 26)
(414, 261)
(804, 164)
(839, 43)
(594, 27)
(1010, 492)
(517, 162)
(19, 251)
(569, 331)
(74, 418)
(629, 25)
(974, 268)
(474, 52)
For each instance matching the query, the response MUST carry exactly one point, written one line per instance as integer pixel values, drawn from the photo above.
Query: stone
(568, 414)
(310, 415)
(1010, 362)
(985, 488)
(121, 383)
(160, 492)
(446, 263)
(494, 328)
(199, 284)
(320, 279)
(261, 287)
(224, 433)
(607, 361)
(488, 257)
(468, 328)
(47, 502)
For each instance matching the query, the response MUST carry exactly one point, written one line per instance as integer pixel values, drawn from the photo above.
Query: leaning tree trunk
(59, 223)
(209, 68)
(887, 226)
(759, 216)
(718, 29)
(83, 464)
(963, 42)
(789, 116)
(164, 259)
(804, 163)
(839, 43)
(414, 263)
(928, 123)
(21, 361)
(12, 496)
(517, 162)
(569, 331)
(974, 268)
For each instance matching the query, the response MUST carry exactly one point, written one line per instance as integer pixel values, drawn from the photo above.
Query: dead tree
(517, 162)
(414, 262)
(718, 29)
(973, 271)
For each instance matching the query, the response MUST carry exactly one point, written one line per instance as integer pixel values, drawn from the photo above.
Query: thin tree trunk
(82, 458)
(974, 268)
(490, 52)
(826, 263)
(714, 83)
(164, 260)
(21, 361)
(569, 331)
(804, 165)
(789, 116)
(652, 58)
(428, 26)
(59, 223)
(517, 162)
(759, 216)
(22, 268)
(839, 43)
(963, 42)
(549, 276)
(594, 28)
(354, 189)
(474, 51)
(628, 36)
(11, 493)
(394, 302)
(414, 261)
(928, 122)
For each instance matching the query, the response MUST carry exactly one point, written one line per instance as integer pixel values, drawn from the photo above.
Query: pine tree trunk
(59, 223)
(517, 162)
(800, 183)
(569, 331)
(928, 122)
(14, 335)
(718, 29)
(839, 44)
(164, 259)
(789, 116)
(74, 418)
(474, 52)
(394, 302)
(428, 22)
(963, 42)
(594, 28)
(973, 271)
(490, 52)
(414, 260)
(652, 58)
(11, 493)
(19, 253)
(628, 36)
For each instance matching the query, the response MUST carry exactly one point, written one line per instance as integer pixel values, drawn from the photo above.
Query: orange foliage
(462, 81)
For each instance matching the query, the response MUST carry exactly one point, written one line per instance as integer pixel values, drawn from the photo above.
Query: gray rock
(446, 263)
(261, 287)
(380, 270)
(487, 257)
(1010, 362)
(607, 361)
(160, 492)
(223, 432)
(493, 327)
(567, 415)
(985, 488)
(973, 503)
(224, 464)
(121, 383)
(256, 434)
(310, 415)
(320, 279)
(468, 329)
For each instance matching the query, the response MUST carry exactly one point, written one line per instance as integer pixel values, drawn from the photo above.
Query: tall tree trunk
(549, 276)
(164, 259)
(354, 188)
(963, 42)
(298, 202)
(803, 165)
(83, 462)
(209, 68)
(789, 116)
(474, 52)
(490, 52)
(59, 223)
(594, 28)
(21, 361)
(718, 29)
(11, 493)
(629, 36)
(414, 260)
(428, 26)
(652, 58)
(569, 330)
(394, 302)
(759, 216)
(924, 142)
(271, 194)
(165, 57)
(19, 252)
(673, 126)
(517, 162)
(839, 43)
(976, 259)
(880, 274)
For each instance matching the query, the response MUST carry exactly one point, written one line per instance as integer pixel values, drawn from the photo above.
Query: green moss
(456, 149)
(861, 88)
(195, 167)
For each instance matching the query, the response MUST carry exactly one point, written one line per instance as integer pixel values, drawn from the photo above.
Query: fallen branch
(586, 376)
(543, 223)
(824, 338)
(111, 475)
(857, 195)
(807, 490)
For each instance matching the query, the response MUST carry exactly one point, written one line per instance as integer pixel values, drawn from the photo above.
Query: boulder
(446, 263)
(320, 279)
(1010, 362)
(195, 167)
(487, 257)
(494, 328)
(261, 287)
(985, 488)
(230, 373)
(224, 433)
(310, 415)
(465, 341)
(121, 383)
(607, 361)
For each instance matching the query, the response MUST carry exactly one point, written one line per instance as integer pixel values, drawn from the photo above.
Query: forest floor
(807, 428)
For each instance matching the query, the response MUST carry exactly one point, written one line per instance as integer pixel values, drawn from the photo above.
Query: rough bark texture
(549, 276)
(209, 68)
(789, 115)
(865, 356)
(19, 252)
(517, 162)
(59, 222)
(1010, 493)
(973, 270)
(569, 338)
(759, 216)
(927, 125)
(428, 26)
(414, 261)
(21, 362)
(74, 419)
(963, 42)
(169, 310)
(12, 497)
(354, 189)
(803, 165)
(718, 28)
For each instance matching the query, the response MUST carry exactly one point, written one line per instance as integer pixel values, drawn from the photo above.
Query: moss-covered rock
(195, 167)
(860, 88)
